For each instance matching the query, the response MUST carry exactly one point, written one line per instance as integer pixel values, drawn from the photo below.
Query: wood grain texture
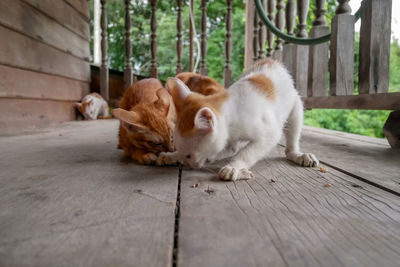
(318, 64)
(68, 198)
(19, 115)
(294, 221)
(64, 14)
(24, 52)
(370, 158)
(300, 71)
(374, 56)
(29, 21)
(81, 6)
(341, 66)
(389, 101)
(17, 83)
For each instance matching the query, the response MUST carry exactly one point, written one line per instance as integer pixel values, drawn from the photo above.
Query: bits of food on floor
(209, 190)
(322, 169)
(327, 185)
(273, 181)
(195, 185)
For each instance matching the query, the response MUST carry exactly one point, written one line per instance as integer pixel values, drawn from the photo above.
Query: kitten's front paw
(229, 173)
(304, 159)
(167, 158)
(148, 159)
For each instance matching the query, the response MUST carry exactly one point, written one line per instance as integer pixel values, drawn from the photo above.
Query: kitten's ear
(205, 120)
(78, 106)
(130, 120)
(178, 90)
(163, 101)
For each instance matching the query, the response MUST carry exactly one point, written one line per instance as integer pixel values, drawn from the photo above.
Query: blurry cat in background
(147, 114)
(93, 107)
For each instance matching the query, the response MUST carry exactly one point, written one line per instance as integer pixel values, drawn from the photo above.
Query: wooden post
(128, 78)
(203, 66)
(96, 33)
(375, 46)
(228, 45)
(319, 55)
(261, 36)
(153, 37)
(341, 65)
(301, 51)
(104, 58)
(249, 34)
(191, 61)
(391, 129)
(270, 36)
(288, 48)
(280, 24)
(179, 37)
(255, 37)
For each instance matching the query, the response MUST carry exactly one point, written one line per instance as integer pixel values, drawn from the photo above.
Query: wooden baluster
(288, 48)
(203, 66)
(374, 46)
(255, 37)
(228, 44)
(280, 23)
(179, 37)
(128, 78)
(251, 12)
(153, 37)
(319, 55)
(104, 58)
(342, 51)
(261, 36)
(191, 53)
(301, 51)
(270, 36)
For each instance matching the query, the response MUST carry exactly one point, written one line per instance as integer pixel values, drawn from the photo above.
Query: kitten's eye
(188, 156)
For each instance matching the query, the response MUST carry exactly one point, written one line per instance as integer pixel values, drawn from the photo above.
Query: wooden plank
(352, 153)
(294, 221)
(389, 101)
(24, 52)
(19, 83)
(374, 56)
(249, 34)
(21, 115)
(341, 67)
(81, 6)
(300, 74)
(68, 198)
(64, 14)
(29, 21)
(318, 64)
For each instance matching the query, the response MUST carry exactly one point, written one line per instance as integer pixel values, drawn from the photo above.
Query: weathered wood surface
(29, 21)
(294, 221)
(24, 52)
(153, 39)
(128, 77)
(104, 72)
(391, 129)
(203, 38)
(68, 198)
(228, 45)
(341, 66)
(81, 6)
(20, 83)
(366, 157)
(390, 101)
(375, 46)
(18, 115)
(64, 14)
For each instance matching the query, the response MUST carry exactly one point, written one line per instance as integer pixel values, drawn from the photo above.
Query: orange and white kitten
(147, 114)
(245, 121)
(93, 107)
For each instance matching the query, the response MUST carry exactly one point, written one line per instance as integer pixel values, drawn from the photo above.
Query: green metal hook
(292, 39)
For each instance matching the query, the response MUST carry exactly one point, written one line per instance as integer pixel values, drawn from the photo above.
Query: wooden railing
(310, 65)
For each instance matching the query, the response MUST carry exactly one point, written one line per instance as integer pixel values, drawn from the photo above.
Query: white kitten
(248, 121)
(94, 106)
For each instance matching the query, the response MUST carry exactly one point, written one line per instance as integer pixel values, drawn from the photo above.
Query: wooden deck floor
(68, 198)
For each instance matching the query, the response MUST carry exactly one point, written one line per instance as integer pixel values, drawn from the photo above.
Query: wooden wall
(44, 62)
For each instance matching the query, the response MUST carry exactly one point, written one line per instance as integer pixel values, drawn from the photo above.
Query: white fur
(96, 107)
(249, 125)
